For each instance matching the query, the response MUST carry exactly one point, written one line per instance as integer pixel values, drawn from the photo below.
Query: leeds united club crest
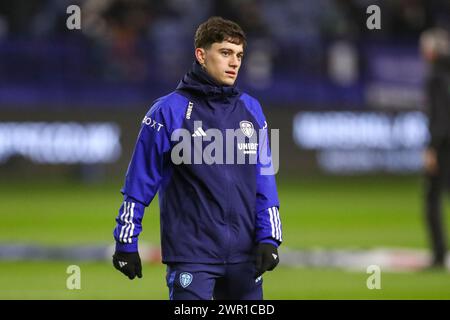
(185, 279)
(247, 128)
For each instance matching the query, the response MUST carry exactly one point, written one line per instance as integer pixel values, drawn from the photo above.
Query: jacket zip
(227, 214)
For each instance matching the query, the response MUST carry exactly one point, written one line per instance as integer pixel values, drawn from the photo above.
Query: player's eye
(225, 53)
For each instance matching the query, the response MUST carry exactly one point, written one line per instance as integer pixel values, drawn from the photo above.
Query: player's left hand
(267, 258)
(129, 263)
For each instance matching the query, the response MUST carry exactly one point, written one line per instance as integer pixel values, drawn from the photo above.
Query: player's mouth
(231, 73)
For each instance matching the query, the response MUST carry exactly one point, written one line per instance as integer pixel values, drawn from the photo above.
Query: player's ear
(200, 54)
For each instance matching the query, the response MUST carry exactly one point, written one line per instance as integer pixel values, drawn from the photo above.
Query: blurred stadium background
(348, 101)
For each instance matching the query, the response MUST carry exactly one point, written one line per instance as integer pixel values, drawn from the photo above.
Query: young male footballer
(220, 224)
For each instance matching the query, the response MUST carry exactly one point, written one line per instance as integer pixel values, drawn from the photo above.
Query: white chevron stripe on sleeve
(129, 239)
(127, 224)
(123, 218)
(275, 220)
(272, 226)
(279, 224)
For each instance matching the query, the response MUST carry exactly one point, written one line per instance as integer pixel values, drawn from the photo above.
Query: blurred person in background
(220, 225)
(435, 48)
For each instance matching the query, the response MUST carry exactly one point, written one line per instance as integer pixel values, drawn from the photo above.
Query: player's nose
(234, 62)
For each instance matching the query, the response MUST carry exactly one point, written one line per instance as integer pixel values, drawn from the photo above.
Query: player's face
(222, 61)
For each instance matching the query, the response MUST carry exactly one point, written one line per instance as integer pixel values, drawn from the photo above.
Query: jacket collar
(199, 82)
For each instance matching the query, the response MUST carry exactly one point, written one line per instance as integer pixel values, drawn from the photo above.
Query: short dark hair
(217, 29)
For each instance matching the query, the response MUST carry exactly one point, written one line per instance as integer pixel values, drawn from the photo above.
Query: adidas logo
(122, 263)
(199, 133)
(274, 256)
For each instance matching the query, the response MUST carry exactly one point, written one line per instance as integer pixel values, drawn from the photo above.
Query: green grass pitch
(317, 212)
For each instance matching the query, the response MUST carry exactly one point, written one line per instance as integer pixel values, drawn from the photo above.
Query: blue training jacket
(210, 212)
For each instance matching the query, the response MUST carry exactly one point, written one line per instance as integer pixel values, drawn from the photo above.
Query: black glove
(266, 258)
(129, 263)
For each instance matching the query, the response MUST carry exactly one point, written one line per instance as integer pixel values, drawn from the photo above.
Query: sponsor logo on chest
(152, 123)
(189, 110)
(248, 148)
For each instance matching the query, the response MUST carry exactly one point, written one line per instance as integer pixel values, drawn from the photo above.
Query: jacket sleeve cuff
(268, 225)
(127, 247)
(271, 241)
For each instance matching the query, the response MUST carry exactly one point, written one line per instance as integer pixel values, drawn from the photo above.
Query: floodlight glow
(60, 142)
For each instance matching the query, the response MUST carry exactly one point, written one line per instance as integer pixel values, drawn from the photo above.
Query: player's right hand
(129, 263)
